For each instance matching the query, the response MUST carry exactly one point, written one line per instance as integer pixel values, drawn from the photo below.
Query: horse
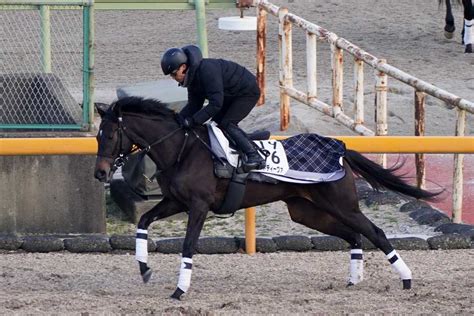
(467, 32)
(189, 185)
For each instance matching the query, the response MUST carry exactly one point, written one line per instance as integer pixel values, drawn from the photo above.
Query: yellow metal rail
(365, 144)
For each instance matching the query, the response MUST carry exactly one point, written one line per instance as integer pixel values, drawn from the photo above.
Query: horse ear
(101, 108)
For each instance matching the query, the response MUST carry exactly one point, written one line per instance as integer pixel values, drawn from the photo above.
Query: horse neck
(165, 153)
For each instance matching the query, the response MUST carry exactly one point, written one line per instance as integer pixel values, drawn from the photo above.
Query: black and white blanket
(304, 158)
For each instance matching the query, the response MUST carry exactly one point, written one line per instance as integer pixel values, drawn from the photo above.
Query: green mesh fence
(41, 67)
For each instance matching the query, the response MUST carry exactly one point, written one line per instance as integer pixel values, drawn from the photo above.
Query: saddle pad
(276, 163)
(307, 158)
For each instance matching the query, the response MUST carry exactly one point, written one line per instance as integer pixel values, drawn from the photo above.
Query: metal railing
(383, 70)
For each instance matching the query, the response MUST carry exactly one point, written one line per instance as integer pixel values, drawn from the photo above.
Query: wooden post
(286, 68)
(420, 98)
(381, 109)
(311, 66)
(458, 171)
(250, 236)
(337, 79)
(359, 91)
(261, 52)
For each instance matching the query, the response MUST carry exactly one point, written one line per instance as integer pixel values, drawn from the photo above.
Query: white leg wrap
(185, 272)
(468, 32)
(356, 266)
(399, 265)
(141, 245)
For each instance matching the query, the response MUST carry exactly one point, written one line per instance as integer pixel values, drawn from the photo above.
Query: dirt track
(278, 283)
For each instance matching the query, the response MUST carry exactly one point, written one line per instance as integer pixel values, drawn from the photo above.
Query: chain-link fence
(41, 66)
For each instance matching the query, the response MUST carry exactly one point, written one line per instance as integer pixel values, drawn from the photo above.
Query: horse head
(113, 142)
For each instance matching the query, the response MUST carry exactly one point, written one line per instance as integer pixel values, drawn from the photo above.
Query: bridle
(143, 148)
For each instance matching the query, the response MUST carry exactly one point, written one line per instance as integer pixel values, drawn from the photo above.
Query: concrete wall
(50, 194)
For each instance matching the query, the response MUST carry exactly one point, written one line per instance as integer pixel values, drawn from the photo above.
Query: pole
(201, 26)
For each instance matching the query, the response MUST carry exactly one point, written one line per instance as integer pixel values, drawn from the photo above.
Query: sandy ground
(129, 44)
(408, 34)
(278, 283)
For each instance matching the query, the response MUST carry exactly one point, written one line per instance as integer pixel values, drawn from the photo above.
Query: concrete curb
(221, 245)
(454, 236)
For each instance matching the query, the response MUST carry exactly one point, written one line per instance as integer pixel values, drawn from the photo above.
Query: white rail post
(311, 66)
(420, 98)
(381, 109)
(337, 79)
(286, 67)
(358, 91)
(261, 51)
(458, 170)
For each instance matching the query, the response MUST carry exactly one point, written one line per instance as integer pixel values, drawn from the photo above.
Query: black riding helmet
(172, 59)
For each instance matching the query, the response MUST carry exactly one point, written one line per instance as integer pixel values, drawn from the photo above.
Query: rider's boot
(254, 160)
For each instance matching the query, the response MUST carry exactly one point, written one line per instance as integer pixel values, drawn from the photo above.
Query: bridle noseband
(143, 148)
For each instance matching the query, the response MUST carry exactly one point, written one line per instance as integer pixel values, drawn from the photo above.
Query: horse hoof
(350, 284)
(406, 284)
(468, 48)
(147, 275)
(177, 294)
(448, 35)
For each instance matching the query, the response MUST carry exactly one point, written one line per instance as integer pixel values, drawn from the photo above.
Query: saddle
(304, 158)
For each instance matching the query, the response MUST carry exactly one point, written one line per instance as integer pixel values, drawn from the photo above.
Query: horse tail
(379, 177)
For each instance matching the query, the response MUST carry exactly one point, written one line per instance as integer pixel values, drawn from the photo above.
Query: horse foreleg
(307, 213)
(164, 209)
(197, 216)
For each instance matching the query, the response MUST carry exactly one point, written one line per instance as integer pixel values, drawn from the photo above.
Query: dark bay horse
(189, 185)
(468, 23)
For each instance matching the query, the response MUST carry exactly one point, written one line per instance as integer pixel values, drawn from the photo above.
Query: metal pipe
(250, 235)
(47, 2)
(201, 26)
(88, 68)
(420, 98)
(458, 177)
(261, 52)
(45, 38)
(370, 59)
(364, 144)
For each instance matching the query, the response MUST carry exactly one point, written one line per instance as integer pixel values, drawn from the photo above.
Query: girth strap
(235, 193)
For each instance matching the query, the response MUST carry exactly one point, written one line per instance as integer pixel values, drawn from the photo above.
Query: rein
(123, 157)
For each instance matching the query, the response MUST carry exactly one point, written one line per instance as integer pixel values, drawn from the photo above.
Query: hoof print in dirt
(450, 241)
(375, 198)
(88, 244)
(293, 243)
(122, 242)
(42, 244)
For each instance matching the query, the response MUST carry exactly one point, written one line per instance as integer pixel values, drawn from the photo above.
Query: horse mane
(145, 106)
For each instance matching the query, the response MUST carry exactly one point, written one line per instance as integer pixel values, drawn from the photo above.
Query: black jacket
(214, 80)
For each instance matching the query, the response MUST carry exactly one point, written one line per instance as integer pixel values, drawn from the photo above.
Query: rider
(231, 90)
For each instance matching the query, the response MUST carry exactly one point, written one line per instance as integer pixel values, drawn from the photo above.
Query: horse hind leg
(308, 214)
(360, 223)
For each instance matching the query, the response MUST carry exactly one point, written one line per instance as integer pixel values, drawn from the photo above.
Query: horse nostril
(100, 175)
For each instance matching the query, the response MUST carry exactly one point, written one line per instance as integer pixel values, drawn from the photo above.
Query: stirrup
(257, 165)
